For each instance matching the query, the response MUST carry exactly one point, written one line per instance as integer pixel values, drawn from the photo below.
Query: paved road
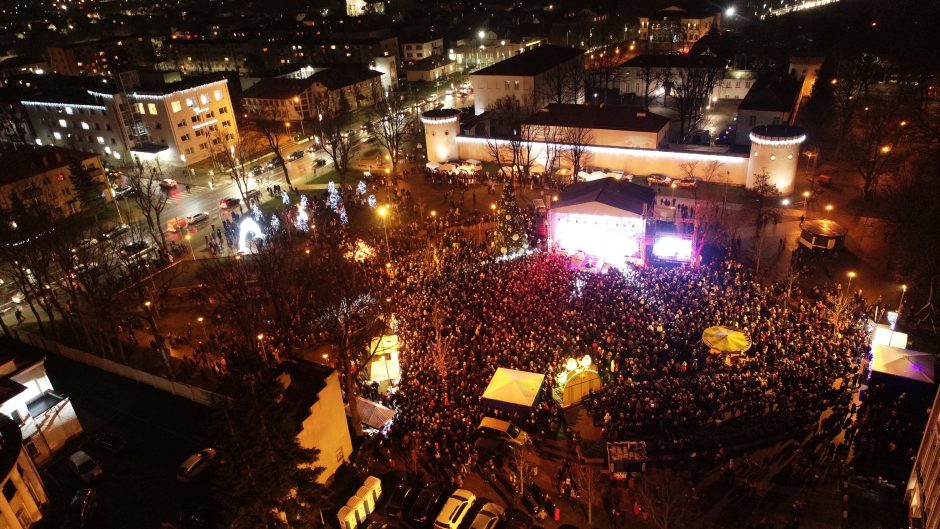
(138, 488)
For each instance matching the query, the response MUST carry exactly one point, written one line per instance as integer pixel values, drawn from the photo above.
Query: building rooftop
(532, 62)
(303, 382)
(430, 63)
(277, 88)
(156, 88)
(773, 93)
(619, 194)
(675, 61)
(608, 117)
(343, 76)
(30, 161)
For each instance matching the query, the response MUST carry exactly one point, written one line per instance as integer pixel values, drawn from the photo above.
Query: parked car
(110, 442)
(120, 229)
(123, 191)
(320, 162)
(425, 506)
(399, 500)
(226, 203)
(488, 517)
(296, 155)
(274, 163)
(167, 183)
(313, 149)
(689, 181)
(135, 248)
(84, 466)
(502, 430)
(488, 447)
(194, 465)
(254, 194)
(196, 218)
(657, 179)
(18, 297)
(455, 509)
(82, 507)
(256, 170)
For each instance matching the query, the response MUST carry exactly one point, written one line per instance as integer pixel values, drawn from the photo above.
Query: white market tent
(513, 390)
(904, 363)
(432, 166)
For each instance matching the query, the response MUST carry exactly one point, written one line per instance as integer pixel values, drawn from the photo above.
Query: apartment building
(415, 49)
(43, 175)
(674, 28)
(542, 75)
(101, 57)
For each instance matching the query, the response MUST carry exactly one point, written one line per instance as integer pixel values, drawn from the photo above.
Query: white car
(85, 467)
(196, 218)
(455, 509)
(488, 517)
(167, 183)
(194, 465)
(18, 297)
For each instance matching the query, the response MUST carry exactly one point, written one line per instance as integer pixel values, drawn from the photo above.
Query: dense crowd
(643, 329)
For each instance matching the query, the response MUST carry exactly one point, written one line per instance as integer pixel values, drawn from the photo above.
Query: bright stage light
(612, 239)
(673, 248)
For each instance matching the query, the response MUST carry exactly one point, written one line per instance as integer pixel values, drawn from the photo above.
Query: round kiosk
(775, 150)
(441, 127)
(822, 234)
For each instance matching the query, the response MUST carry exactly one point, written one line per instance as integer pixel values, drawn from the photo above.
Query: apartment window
(113, 141)
(516, 85)
(152, 109)
(199, 132)
(101, 140)
(737, 84)
(177, 107)
(226, 123)
(190, 102)
(107, 126)
(204, 99)
(97, 126)
(68, 110)
(776, 121)
(189, 150)
(203, 146)
(181, 123)
(157, 126)
(506, 85)
(194, 119)
(56, 135)
(62, 123)
(184, 137)
(223, 110)
(140, 108)
(218, 95)
(85, 126)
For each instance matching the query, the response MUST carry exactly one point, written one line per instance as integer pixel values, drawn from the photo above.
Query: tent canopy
(513, 390)
(726, 340)
(373, 414)
(913, 365)
(432, 165)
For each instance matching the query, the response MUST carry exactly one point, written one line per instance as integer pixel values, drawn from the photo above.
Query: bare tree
(577, 140)
(764, 204)
(511, 140)
(234, 156)
(275, 135)
(691, 88)
(392, 127)
(854, 76)
(442, 351)
(150, 198)
(668, 498)
(875, 146)
(589, 481)
(336, 140)
(564, 85)
(524, 467)
(602, 68)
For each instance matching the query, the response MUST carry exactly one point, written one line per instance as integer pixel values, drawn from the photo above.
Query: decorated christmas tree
(511, 233)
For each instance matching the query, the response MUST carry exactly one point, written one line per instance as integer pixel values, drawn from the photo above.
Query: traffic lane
(138, 488)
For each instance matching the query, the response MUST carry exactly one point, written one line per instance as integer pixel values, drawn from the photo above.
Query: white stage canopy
(513, 390)
(904, 363)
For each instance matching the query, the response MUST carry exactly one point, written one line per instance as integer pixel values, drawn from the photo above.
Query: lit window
(117, 155)
(152, 109)
(204, 99)
(62, 123)
(140, 108)
(190, 102)
(176, 106)
(107, 150)
(85, 125)
(101, 140)
(56, 135)
(218, 95)
(68, 110)
(773, 156)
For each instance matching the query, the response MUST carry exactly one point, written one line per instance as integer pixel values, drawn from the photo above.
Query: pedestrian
(19, 317)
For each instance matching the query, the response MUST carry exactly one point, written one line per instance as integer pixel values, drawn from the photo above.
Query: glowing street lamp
(202, 324)
(383, 212)
(189, 239)
(885, 149)
(848, 284)
(828, 208)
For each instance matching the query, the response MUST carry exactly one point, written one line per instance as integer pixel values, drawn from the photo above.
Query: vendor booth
(822, 234)
(513, 390)
(904, 363)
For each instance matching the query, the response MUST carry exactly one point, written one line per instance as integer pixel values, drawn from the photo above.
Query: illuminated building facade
(43, 175)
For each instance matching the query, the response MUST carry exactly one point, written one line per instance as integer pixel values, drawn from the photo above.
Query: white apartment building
(24, 495)
(542, 75)
(417, 49)
(176, 122)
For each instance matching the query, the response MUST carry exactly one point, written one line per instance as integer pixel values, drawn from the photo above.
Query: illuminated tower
(775, 150)
(441, 128)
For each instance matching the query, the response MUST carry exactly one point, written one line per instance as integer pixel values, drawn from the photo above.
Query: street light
(885, 149)
(828, 208)
(785, 202)
(806, 195)
(261, 346)
(202, 324)
(848, 285)
(383, 212)
(189, 239)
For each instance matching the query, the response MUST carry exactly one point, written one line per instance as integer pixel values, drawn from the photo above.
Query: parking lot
(138, 488)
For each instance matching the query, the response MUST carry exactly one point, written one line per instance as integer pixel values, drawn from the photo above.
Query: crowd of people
(643, 329)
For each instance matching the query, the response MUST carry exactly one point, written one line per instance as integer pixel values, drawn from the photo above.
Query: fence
(180, 389)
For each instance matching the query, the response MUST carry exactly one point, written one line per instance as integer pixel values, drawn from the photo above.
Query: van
(502, 430)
